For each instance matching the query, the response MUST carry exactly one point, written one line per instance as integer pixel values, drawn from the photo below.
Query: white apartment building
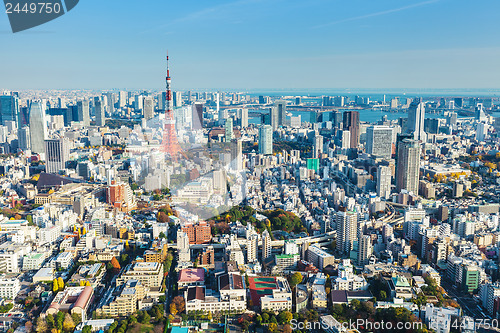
(9, 288)
(347, 280)
(64, 260)
(33, 261)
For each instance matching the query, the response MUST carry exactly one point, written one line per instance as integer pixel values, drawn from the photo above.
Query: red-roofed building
(191, 277)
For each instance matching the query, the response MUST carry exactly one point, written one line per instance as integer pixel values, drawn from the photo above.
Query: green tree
(285, 317)
(295, 279)
(50, 321)
(87, 329)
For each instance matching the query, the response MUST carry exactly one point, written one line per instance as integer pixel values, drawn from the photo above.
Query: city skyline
(254, 44)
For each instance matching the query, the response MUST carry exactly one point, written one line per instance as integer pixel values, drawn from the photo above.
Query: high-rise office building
(223, 115)
(317, 145)
(84, 112)
(384, 181)
(274, 116)
(408, 165)
(347, 230)
(379, 141)
(451, 120)
(243, 117)
(56, 154)
(197, 116)
(281, 109)
(148, 108)
(38, 127)
(416, 115)
(265, 140)
(9, 109)
(177, 99)
(228, 130)
(365, 250)
(111, 102)
(139, 102)
(479, 113)
(122, 99)
(351, 124)
(481, 131)
(23, 137)
(236, 155)
(100, 118)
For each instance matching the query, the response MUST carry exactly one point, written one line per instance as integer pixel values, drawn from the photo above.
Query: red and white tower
(170, 143)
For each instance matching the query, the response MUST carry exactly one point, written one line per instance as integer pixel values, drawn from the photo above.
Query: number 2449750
(33, 8)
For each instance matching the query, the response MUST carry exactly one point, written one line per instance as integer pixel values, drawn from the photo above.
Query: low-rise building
(72, 300)
(127, 302)
(33, 261)
(150, 274)
(191, 277)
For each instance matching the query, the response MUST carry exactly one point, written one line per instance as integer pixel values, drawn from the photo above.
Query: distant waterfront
(365, 115)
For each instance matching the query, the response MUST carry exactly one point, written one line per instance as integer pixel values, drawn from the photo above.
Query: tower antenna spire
(170, 142)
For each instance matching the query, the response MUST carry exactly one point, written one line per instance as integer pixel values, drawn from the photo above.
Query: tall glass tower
(38, 127)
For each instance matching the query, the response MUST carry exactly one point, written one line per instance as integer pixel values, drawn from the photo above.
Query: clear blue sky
(247, 44)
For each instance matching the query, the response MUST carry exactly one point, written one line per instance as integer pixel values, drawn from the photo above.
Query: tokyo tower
(170, 143)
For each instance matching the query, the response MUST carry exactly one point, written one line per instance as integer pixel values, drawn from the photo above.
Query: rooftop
(192, 275)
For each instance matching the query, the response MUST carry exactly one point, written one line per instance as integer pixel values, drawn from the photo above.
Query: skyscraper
(364, 250)
(479, 112)
(236, 155)
(100, 118)
(252, 247)
(148, 108)
(228, 130)
(84, 112)
(23, 136)
(265, 140)
(416, 115)
(347, 230)
(274, 116)
(56, 154)
(379, 141)
(281, 109)
(351, 124)
(38, 127)
(266, 245)
(317, 145)
(9, 109)
(111, 102)
(122, 95)
(408, 166)
(197, 116)
(243, 117)
(139, 102)
(384, 181)
(177, 99)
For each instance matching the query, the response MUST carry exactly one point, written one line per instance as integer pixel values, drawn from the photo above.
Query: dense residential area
(253, 214)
